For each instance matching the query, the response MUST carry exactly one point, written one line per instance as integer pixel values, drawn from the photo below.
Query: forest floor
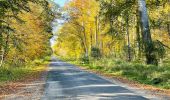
(29, 88)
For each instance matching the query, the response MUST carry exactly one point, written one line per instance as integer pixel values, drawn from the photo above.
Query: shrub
(85, 60)
(95, 53)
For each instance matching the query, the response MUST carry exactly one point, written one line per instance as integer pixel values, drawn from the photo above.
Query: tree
(121, 29)
(149, 47)
(9, 10)
(16, 41)
(82, 16)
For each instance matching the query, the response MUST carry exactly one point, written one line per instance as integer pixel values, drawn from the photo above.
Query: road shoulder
(31, 88)
(146, 91)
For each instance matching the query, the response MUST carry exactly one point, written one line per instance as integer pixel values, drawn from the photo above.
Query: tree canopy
(126, 29)
(25, 30)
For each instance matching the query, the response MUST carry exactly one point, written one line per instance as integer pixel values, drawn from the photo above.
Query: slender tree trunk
(168, 28)
(2, 57)
(83, 45)
(149, 47)
(85, 40)
(161, 40)
(1, 40)
(138, 37)
(128, 38)
(101, 47)
(1, 49)
(91, 38)
(96, 33)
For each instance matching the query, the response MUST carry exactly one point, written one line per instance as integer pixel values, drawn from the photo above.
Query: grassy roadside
(14, 79)
(26, 72)
(157, 76)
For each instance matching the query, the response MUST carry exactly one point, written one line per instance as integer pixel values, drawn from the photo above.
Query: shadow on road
(67, 82)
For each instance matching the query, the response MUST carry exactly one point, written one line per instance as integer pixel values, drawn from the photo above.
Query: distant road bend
(67, 82)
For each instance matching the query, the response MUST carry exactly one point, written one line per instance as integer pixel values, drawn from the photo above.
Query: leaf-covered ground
(29, 86)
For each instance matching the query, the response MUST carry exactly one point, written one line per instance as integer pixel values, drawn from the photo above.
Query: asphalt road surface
(67, 82)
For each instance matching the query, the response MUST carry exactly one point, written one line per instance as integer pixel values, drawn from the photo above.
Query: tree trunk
(101, 47)
(128, 38)
(96, 34)
(2, 57)
(85, 40)
(138, 37)
(91, 38)
(1, 43)
(168, 28)
(149, 47)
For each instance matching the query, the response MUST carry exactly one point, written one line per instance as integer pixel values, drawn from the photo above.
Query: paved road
(67, 82)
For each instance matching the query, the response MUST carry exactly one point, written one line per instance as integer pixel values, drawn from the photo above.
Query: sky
(55, 28)
(60, 2)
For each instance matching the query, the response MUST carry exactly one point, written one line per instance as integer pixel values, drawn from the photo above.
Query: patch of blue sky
(60, 2)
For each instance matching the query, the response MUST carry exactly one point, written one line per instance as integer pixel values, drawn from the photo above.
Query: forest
(127, 38)
(45, 43)
(25, 32)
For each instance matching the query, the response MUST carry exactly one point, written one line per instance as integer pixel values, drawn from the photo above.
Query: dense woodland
(122, 29)
(25, 30)
(124, 37)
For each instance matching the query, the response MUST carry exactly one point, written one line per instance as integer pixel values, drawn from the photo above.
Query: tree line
(25, 30)
(133, 30)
